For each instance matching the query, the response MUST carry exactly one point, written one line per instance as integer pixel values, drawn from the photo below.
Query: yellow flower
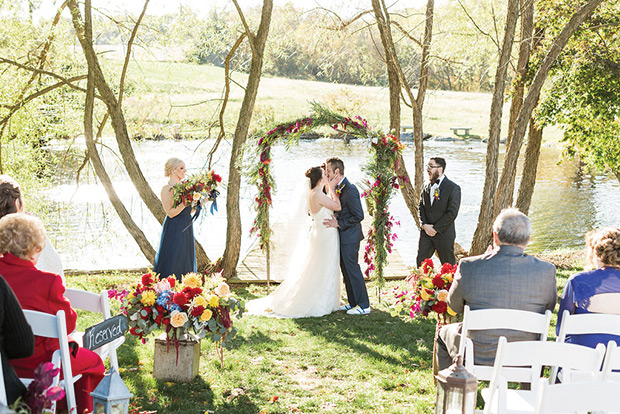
(178, 319)
(425, 295)
(442, 295)
(199, 301)
(214, 301)
(148, 298)
(197, 196)
(131, 295)
(448, 277)
(206, 315)
(222, 290)
(451, 312)
(191, 280)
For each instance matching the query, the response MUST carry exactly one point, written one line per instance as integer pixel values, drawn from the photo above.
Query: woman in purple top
(598, 290)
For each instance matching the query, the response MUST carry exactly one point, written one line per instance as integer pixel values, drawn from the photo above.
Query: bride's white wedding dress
(313, 290)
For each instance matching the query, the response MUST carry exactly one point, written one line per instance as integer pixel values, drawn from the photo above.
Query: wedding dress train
(313, 290)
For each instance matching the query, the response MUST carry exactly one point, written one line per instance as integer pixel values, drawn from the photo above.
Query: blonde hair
(604, 244)
(170, 165)
(21, 235)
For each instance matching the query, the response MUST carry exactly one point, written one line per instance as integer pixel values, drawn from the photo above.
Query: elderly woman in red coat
(22, 238)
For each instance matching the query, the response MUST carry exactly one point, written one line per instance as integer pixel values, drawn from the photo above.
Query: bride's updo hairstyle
(605, 245)
(170, 165)
(9, 192)
(314, 174)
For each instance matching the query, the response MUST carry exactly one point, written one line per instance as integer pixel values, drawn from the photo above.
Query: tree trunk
(120, 129)
(233, 229)
(418, 130)
(530, 166)
(525, 49)
(531, 100)
(396, 80)
(124, 215)
(482, 235)
(527, 29)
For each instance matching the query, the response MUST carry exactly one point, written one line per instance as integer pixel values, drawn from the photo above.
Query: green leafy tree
(585, 94)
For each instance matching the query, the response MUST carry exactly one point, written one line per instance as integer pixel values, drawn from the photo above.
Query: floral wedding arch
(381, 181)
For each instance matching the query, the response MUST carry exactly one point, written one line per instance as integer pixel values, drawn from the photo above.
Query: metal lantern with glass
(456, 390)
(111, 395)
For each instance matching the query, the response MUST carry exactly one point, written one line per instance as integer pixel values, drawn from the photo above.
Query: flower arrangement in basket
(429, 292)
(206, 306)
(197, 189)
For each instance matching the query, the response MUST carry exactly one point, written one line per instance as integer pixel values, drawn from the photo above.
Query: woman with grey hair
(12, 201)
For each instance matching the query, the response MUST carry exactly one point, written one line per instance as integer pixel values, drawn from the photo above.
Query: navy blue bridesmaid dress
(177, 254)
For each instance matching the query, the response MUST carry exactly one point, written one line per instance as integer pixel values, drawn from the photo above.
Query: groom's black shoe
(344, 307)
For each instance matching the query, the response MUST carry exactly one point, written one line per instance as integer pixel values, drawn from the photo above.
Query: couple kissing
(312, 284)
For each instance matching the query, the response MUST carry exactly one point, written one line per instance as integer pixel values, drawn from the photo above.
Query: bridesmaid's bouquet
(429, 292)
(197, 189)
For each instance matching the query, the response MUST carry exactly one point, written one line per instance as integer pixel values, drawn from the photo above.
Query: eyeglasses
(430, 167)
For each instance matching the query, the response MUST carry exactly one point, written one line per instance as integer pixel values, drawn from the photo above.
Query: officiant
(440, 201)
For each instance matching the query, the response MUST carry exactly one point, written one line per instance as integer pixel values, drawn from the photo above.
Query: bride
(312, 285)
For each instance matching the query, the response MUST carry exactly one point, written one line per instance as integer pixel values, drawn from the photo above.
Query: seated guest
(598, 290)
(16, 340)
(11, 201)
(504, 277)
(22, 238)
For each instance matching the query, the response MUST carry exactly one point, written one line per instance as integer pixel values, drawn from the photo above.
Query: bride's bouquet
(197, 189)
(429, 292)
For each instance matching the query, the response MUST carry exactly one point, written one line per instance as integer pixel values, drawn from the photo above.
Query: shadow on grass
(371, 334)
(172, 397)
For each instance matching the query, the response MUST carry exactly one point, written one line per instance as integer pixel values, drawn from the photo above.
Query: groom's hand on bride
(330, 222)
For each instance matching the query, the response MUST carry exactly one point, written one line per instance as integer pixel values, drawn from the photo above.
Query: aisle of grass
(337, 363)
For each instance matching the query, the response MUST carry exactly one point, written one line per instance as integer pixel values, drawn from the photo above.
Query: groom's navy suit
(350, 229)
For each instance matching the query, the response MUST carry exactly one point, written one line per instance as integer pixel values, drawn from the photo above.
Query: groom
(348, 221)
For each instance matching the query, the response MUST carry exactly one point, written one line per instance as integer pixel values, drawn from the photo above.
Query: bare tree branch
(248, 32)
(222, 132)
(404, 32)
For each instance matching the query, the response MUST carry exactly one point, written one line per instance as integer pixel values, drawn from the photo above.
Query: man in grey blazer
(503, 277)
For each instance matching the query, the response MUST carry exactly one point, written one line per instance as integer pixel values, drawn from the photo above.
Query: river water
(568, 200)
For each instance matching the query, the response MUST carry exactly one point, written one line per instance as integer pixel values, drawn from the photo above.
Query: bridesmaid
(176, 254)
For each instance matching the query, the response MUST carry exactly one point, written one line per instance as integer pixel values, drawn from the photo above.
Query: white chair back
(530, 357)
(55, 326)
(611, 363)
(98, 303)
(484, 319)
(3, 398)
(581, 397)
(587, 323)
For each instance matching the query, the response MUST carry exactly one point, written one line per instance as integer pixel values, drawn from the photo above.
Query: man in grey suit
(504, 278)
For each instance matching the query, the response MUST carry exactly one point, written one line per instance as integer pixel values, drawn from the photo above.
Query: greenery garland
(381, 181)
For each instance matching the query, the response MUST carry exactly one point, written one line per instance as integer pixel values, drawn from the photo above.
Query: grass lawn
(168, 97)
(337, 363)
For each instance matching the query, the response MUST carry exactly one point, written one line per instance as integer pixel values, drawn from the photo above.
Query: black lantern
(456, 390)
(111, 395)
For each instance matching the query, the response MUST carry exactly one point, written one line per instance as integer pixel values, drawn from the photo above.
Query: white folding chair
(587, 323)
(483, 319)
(530, 357)
(611, 363)
(99, 303)
(55, 326)
(3, 398)
(578, 397)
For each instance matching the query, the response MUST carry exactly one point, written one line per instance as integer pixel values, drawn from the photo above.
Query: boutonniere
(436, 194)
(339, 188)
